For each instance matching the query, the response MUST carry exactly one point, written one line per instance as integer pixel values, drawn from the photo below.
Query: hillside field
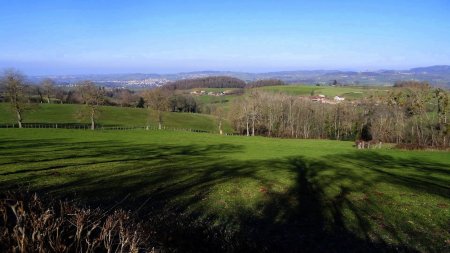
(329, 91)
(350, 93)
(212, 192)
(112, 116)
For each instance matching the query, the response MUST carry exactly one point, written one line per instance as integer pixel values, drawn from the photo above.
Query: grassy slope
(316, 195)
(56, 113)
(347, 92)
(224, 101)
(213, 89)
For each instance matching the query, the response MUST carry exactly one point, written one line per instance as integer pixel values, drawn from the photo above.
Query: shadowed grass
(230, 193)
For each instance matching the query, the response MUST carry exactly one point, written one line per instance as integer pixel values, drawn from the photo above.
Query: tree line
(219, 82)
(415, 117)
(413, 114)
(22, 96)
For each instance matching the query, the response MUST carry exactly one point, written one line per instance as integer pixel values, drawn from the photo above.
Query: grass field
(232, 193)
(224, 101)
(208, 100)
(112, 116)
(214, 89)
(347, 92)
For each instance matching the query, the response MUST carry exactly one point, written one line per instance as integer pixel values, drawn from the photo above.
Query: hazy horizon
(206, 71)
(108, 37)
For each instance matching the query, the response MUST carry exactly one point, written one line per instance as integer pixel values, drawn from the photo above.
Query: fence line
(103, 127)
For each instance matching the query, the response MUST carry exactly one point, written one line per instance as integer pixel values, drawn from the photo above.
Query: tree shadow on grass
(428, 176)
(308, 218)
(174, 188)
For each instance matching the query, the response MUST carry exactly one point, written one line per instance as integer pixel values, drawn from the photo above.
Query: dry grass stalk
(28, 224)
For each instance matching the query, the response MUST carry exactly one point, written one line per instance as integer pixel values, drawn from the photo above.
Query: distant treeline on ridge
(219, 82)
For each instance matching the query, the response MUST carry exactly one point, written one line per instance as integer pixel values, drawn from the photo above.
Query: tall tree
(255, 103)
(125, 97)
(60, 94)
(48, 88)
(92, 97)
(158, 100)
(140, 103)
(442, 110)
(240, 116)
(219, 113)
(15, 88)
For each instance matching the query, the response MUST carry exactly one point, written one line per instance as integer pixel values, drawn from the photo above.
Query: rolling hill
(113, 116)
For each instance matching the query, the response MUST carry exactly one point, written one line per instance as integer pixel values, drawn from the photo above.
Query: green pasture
(209, 100)
(207, 192)
(111, 116)
(329, 91)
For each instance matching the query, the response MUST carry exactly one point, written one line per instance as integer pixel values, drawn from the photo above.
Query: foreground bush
(28, 224)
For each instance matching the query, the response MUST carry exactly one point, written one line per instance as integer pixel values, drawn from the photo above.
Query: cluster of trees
(282, 115)
(22, 96)
(206, 82)
(416, 116)
(220, 82)
(265, 82)
(411, 84)
(412, 114)
(48, 92)
(184, 103)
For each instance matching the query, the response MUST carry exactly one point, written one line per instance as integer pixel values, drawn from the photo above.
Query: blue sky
(79, 37)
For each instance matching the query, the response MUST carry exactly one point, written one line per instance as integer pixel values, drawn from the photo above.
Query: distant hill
(436, 75)
(439, 69)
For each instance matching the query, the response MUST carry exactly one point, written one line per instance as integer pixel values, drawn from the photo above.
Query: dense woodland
(219, 82)
(207, 82)
(412, 115)
(265, 82)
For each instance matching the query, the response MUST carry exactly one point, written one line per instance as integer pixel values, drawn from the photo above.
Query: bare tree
(254, 102)
(126, 97)
(239, 115)
(60, 94)
(38, 90)
(219, 112)
(442, 110)
(48, 89)
(92, 97)
(158, 100)
(15, 88)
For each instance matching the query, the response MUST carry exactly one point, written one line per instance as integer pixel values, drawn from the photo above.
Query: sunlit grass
(346, 92)
(253, 187)
(112, 116)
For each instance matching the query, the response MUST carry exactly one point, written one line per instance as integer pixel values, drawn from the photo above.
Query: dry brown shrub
(29, 224)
